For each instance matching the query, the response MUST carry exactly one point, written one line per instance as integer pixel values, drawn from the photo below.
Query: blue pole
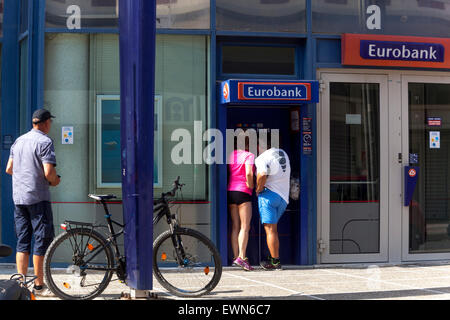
(137, 82)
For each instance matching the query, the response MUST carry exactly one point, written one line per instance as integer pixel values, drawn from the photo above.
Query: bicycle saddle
(102, 197)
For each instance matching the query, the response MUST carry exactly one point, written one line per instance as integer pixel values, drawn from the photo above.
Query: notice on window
(307, 136)
(435, 139)
(67, 135)
(434, 121)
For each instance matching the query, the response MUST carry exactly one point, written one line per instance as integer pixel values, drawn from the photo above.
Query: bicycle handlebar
(177, 185)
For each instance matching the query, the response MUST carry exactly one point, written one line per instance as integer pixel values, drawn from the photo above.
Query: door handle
(400, 158)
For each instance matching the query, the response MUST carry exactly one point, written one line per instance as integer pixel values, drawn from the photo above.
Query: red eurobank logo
(395, 51)
(226, 91)
(412, 173)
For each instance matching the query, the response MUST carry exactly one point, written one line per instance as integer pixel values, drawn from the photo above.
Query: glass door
(426, 144)
(353, 170)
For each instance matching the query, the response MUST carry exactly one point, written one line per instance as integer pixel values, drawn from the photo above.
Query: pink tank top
(236, 167)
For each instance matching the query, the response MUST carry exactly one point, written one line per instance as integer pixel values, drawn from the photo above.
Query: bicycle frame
(114, 235)
(161, 209)
(111, 241)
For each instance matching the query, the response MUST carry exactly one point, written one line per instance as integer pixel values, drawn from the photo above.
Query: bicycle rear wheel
(186, 263)
(78, 265)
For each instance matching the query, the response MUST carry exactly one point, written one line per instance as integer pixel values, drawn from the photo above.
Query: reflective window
(335, 16)
(78, 14)
(183, 14)
(171, 14)
(261, 15)
(354, 168)
(258, 60)
(399, 17)
(419, 17)
(181, 82)
(429, 147)
(82, 89)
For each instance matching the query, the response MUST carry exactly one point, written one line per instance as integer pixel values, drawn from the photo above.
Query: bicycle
(88, 259)
(185, 251)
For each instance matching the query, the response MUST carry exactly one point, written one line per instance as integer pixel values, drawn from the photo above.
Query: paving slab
(339, 282)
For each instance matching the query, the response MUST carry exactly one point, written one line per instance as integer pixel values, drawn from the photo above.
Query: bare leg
(245, 214)
(272, 240)
(236, 225)
(38, 263)
(22, 262)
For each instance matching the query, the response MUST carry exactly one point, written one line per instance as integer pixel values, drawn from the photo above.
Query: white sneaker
(44, 292)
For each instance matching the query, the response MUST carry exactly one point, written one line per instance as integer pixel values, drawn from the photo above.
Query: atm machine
(276, 117)
(236, 110)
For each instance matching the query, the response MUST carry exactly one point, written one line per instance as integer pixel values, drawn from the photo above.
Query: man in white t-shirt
(273, 182)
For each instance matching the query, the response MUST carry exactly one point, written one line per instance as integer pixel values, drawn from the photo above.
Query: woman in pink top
(240, 189)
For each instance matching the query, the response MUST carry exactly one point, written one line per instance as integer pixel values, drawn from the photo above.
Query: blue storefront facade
(381, 72)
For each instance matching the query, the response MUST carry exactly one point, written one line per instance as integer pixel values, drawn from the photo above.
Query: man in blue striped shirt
(32, 165)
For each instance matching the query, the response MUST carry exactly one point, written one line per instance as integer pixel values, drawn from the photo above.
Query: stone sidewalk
(419, 281)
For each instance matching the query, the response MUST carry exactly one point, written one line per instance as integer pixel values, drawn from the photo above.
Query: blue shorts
(271, 206)
(37, 220)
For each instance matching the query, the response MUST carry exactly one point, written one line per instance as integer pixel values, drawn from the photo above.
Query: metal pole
(137, 82)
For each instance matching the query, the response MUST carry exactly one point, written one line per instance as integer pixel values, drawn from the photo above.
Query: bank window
(258, 60)
(261, 15)
(82, 89)
(332, 16)
(420, 18)
(91, 14)
(183, 14)
(81, 14)
(415, 17)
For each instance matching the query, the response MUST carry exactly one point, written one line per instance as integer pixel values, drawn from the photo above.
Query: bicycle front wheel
(186, 263)
(78, 265)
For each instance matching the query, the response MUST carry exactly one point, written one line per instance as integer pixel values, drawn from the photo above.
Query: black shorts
(34, 220)
(238, 197)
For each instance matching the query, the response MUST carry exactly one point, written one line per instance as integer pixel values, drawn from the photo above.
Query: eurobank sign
(391, 50)
(269, 92)
(395, 51)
